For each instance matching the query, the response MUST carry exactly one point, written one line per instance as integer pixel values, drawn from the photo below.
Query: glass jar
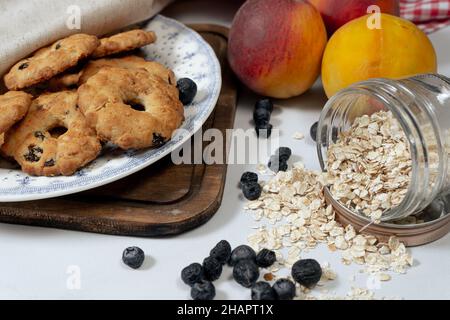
(421, 104)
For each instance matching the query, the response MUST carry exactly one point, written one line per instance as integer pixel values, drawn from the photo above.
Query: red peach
(336, 13)
(276, 46)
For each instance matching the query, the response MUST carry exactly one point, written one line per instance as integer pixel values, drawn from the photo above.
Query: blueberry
(261, 116)
(212, 268)
(307, 272)
(203, 290)
(276, 164)
(251, 191)
(313, 131)
(247, 178)
(285, 289)
(187, 89)
(264, 130)
(246, 272)
(263, 291)
(133, 257)
(242, 252)
(283, 153)
(264, 104)
(222, 252)
(265, 258)
(192, 274)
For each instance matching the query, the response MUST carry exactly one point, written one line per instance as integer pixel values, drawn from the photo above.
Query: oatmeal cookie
(109, 98)
(128, 62)
(13, 107)
(124, 41)
(64, 82)
(54, 138)
(50, 61)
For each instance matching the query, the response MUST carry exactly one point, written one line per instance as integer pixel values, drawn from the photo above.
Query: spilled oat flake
(299, 219)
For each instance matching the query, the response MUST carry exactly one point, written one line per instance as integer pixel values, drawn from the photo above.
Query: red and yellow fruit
(356, 52)
(336, 13)
(276, 46)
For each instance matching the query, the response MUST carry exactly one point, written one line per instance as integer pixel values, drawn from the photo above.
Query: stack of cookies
(67, 99)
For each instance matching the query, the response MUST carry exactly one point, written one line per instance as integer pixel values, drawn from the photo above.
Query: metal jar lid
(434, 224)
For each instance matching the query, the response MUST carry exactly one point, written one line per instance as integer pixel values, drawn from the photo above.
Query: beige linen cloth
(27, 25)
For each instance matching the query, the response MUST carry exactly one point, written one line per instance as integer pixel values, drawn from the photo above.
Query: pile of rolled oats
(299, 219)
(369, 166)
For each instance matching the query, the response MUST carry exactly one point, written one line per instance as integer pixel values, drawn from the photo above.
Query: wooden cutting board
(163, 199)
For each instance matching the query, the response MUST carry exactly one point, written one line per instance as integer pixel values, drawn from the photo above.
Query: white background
(34, 261)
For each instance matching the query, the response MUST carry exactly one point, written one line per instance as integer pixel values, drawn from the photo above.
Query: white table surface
(35, 261)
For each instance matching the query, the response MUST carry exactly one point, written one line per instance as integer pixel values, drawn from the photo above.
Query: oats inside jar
(369, 165)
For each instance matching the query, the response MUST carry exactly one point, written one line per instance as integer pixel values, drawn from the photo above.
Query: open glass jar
(421, 104)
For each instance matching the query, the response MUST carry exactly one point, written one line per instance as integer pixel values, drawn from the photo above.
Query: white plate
(188, 55)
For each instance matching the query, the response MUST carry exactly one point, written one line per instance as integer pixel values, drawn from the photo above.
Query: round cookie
(128, 62)
(39, 143)
(107, 98)
(50, 61)
(124, 41)
(13, 107)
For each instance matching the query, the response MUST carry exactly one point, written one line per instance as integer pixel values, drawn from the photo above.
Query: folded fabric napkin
(429, 15)
(27, 25)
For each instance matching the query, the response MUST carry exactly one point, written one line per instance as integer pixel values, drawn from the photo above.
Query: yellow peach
(394, 49)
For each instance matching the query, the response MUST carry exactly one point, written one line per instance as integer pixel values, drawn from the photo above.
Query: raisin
(49, 163)
(187, 90)
(285, 289)
(158, 140)
(58, 45)
(33, 154)
(212, 268)
(203, 290)
(39, 135)
(246, 273)
(222, 252)
(242, 252)
(265, 258)
(307, 272)
(284, 153)
(264, 104)
(261, 116)
(264, 130)
(252, 191)
(263, 291)
(133, 257)
(23, 66)
(313, 131)
(192, 274)
(247, 178)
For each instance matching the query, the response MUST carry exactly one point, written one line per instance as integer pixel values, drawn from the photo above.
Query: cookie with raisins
(53, 138)
(13, 107)
(131, 107)
(50, 61)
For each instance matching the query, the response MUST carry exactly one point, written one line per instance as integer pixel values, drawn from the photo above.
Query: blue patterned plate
(188, 55)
